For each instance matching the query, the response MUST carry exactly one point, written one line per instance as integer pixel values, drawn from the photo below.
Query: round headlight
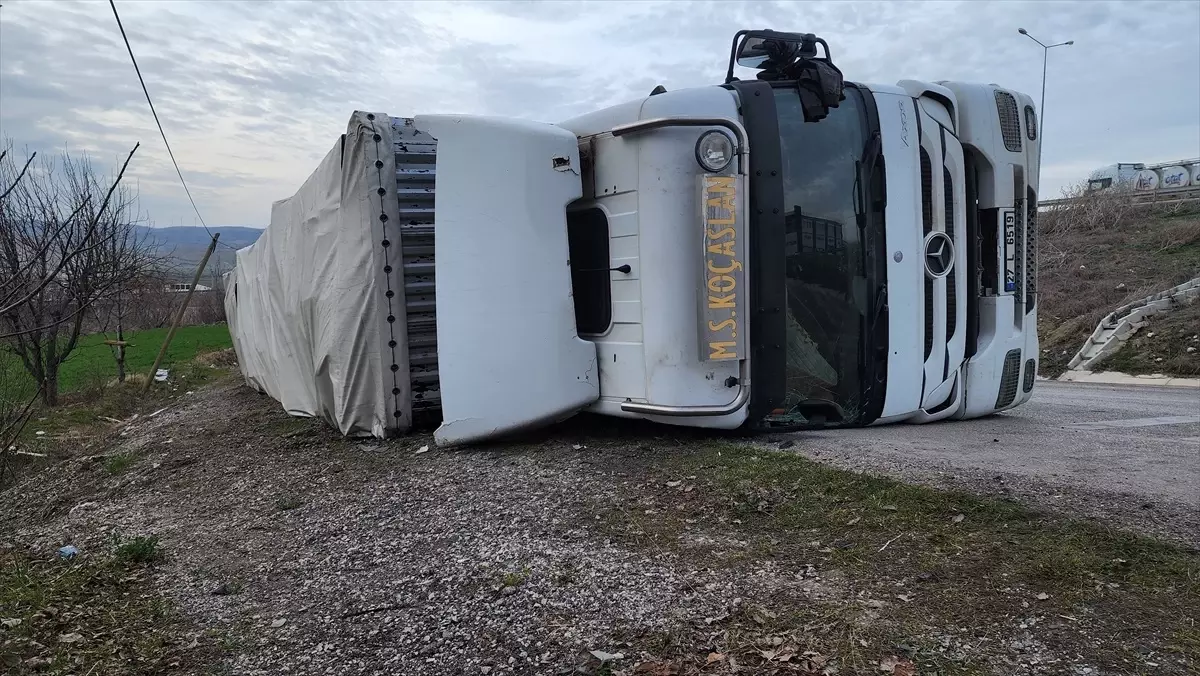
(714, 151)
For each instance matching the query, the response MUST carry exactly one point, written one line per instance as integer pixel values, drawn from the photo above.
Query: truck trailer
(786, 251)
(1141, 177)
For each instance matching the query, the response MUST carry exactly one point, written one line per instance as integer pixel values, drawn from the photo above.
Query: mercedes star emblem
(939, 254)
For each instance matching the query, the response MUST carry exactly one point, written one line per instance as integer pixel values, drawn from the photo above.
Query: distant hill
(184, 247)
(233, 235)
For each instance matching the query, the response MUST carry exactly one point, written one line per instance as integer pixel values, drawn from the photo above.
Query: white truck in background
(785, 252)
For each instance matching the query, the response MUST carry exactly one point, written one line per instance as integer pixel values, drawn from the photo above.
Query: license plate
(723, 291)
(1010, 249)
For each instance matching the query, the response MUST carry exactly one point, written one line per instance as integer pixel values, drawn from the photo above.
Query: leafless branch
(21, 175)
(7, 301)
(14, 424)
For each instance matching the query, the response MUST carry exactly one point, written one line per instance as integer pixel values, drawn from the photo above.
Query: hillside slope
(1102, 253)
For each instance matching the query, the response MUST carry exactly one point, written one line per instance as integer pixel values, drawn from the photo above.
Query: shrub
(140, 549)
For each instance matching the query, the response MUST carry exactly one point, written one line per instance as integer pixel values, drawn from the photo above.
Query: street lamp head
(1022, 31)
(1070, 42)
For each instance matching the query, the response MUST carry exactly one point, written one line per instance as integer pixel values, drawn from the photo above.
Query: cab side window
(587, 244)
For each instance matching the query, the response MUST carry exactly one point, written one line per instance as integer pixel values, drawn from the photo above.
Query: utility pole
(1042, 107)
(179, 315)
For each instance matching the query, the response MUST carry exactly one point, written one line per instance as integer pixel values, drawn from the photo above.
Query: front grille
(1009, 378)
(1030, 374)
(926, 192)
(1031, 249)
(951, 307)
(948, 188)
(1010, 123)
(1018, 241)
(927, 227)
(1030, 123)
(928, 317)
(951, 298)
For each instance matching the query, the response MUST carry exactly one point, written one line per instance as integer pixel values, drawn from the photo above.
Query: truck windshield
(829, 297)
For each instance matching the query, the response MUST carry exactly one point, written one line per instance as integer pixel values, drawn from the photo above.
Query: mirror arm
(733, 54)
(828, 56)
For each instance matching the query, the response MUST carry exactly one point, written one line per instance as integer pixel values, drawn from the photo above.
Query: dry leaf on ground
(897, 666)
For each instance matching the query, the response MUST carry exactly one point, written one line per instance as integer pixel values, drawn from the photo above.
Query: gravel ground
(303, 553)
(366, 557)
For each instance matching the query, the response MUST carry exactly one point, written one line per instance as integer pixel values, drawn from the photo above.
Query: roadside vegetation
(1103, 251)
(91, 413)
(97, 610)
(945, 578)
(71, 249)
(91, 613)
(91, 399)
(91, 366)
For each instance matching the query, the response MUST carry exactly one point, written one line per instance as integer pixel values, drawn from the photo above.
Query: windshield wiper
(872, 151)
(865, 167)
(873, 350)
(881, 306)
(864, 171)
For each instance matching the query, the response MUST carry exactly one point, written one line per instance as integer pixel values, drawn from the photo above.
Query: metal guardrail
(1163, 197)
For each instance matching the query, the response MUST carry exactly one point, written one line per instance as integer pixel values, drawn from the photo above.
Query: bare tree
(151, 303)
(138, 304)
(67, 241)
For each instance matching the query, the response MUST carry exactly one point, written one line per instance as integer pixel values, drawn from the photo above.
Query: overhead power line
(153, 112)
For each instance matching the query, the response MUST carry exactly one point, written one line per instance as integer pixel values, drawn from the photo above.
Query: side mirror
(752, 53)
(757, 50)
(772, 50)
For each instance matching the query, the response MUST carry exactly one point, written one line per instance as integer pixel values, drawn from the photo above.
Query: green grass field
(92, 361)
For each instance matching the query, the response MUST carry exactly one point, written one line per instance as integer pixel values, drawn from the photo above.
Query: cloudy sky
(253, 94)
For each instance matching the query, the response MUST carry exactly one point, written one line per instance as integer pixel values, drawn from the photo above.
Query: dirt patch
(226, 358)
(595, 547)
(1099, 254)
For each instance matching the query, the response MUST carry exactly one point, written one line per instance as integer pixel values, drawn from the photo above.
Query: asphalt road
(1128, 451)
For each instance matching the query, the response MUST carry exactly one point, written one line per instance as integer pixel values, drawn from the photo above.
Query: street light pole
(1042, 107)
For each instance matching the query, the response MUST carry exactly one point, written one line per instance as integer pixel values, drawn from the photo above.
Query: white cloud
(253, 94)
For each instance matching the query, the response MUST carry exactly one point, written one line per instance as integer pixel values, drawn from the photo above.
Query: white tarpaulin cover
(306, 304)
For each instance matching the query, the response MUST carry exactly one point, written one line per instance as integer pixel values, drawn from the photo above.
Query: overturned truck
(784, 252)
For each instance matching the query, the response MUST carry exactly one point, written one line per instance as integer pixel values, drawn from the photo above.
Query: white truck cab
(785, 252)
(1121, 173)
